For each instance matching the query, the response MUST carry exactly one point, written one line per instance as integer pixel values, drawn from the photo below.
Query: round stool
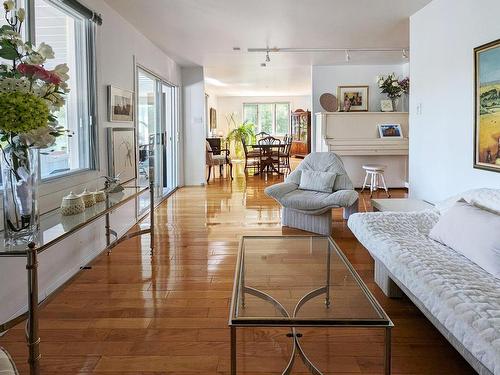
(376, 174)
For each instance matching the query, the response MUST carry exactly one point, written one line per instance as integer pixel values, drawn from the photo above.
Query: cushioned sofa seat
(459, 294)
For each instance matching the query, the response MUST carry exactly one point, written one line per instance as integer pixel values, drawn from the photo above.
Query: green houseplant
(244, 131)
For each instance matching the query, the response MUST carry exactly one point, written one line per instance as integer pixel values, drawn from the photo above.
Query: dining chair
(285, 155)
(252, 157)
(213, 160)
(274, 154)
(262, 135)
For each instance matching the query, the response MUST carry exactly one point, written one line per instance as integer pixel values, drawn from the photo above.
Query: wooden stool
(376, 174)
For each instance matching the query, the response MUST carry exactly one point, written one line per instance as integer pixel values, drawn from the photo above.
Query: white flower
(8, 5)
(45, 51)
(14, 85)
(62, 71)
(395, 83)
(35, 59)
(21, 14)
(39, 137)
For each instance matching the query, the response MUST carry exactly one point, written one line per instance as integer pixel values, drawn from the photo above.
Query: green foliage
(22, 112)
(244, 131)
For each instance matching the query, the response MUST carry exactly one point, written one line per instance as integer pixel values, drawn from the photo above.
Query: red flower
(38, 72)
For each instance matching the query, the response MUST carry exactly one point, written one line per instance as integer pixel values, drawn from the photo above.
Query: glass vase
(20, 195)
(395, 103)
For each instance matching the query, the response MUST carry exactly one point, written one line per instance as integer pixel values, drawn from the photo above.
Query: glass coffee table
(300, 281)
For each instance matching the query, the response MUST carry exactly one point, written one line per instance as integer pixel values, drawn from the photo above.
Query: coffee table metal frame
(293, 321)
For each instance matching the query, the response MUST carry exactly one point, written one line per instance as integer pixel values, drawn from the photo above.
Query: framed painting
(390, 131)
(121, 154)
(120, 105)
(487, 107)
(353, 97)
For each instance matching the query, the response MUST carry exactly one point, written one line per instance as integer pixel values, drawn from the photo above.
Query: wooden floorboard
(167, 314)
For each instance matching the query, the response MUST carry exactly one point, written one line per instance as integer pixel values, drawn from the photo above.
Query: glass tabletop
(300, 280)
(54, 226)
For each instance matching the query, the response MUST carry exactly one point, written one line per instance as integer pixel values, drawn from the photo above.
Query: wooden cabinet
(300, 132)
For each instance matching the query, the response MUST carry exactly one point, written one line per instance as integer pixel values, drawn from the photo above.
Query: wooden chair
(285, 155)
(252, 157)
(220, 160)
(275, 153)
(262, 135)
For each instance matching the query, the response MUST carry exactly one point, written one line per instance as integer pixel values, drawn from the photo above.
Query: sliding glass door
(157, 133)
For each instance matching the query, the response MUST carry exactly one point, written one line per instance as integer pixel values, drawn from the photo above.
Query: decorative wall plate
(328, 102)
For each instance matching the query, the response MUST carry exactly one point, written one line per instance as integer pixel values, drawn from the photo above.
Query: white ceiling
(204, 32)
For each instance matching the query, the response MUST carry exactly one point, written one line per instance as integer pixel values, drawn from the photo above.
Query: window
(70, 35)
(272, 118)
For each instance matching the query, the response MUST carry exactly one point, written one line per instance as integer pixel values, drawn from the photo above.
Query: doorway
(157, 134)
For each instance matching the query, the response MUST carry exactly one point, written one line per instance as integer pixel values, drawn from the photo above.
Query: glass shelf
(54, 227)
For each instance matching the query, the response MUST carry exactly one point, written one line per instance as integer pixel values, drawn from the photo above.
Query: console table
(54, 228)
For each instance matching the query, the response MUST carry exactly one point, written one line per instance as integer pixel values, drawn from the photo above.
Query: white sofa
(460, 298)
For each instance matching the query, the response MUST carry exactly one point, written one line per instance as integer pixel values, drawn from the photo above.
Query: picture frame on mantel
(487, 106)
(355, 98)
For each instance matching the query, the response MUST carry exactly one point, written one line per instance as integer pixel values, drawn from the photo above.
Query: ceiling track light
(347, 57)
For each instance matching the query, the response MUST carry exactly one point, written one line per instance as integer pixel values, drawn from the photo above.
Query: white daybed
(460, 298)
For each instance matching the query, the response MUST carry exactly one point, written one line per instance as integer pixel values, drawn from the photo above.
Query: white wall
(442, 38)
(193, 88)
(116, 45)
(326, 79)
(234, 104)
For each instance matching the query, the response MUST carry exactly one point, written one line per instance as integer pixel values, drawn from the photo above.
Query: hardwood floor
(167, 314)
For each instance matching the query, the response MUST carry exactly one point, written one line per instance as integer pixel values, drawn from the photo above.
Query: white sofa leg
(352, 209)
(384, 281)
(321, 224)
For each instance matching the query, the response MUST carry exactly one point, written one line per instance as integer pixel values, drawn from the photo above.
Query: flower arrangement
(405, 85)
(30, 97)
(390, 86)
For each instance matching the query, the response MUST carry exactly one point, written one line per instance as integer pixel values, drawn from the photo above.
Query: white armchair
(312, 210)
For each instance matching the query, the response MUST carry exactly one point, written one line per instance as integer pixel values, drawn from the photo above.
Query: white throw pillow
(317, 181)
(483, 197)
(473, 232)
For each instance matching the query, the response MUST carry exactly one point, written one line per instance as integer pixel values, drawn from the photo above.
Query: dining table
(267, 151)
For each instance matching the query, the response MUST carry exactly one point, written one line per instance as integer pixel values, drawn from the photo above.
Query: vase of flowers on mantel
(393, 88)
(30, 98)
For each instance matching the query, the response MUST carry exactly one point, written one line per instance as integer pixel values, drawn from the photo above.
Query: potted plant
(30, 97)
(244, 131)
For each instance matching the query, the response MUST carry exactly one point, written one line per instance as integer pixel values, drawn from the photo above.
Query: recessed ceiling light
(236, 48)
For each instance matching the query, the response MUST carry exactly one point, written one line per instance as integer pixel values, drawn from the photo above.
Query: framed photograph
(120, 105)
(386, 106)
(487, 107)
(121, 153)
(390, 131)
(357, 96)
(213, 119)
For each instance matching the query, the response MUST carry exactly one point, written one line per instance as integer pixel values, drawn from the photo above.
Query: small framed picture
(121, 153)
(386, 106)
(120, 105)
(390, 131)
(353, 97)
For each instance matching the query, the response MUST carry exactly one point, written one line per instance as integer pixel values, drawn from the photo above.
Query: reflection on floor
(133, 314)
